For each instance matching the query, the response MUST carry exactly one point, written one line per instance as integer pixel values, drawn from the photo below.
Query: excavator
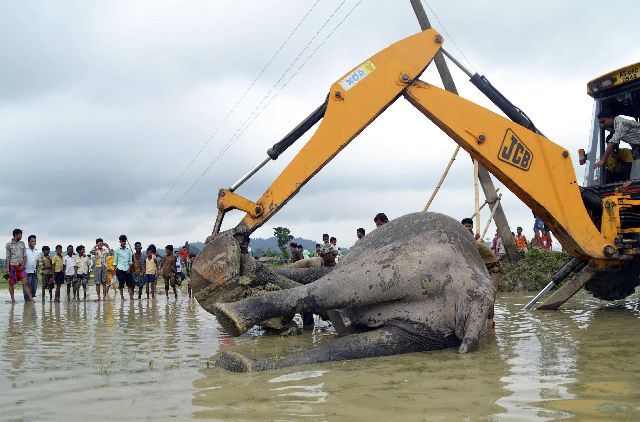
(598, 225)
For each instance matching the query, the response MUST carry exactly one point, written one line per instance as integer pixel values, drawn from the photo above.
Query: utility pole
(484, 177)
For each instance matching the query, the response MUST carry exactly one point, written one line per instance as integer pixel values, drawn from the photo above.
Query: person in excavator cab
(615, 157)
(619, 164)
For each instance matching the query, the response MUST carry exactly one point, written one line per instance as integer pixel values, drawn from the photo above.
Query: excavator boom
(539, 172)
(535, 169)
(354, 101)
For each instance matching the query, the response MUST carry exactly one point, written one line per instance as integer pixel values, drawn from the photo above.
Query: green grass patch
(532, 272)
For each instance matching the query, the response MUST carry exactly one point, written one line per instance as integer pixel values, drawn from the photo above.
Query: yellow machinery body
(535, 169)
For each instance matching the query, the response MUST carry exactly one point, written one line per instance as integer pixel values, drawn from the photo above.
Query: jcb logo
(515, 152)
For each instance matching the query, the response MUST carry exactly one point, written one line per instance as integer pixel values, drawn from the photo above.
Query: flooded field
(153, 360)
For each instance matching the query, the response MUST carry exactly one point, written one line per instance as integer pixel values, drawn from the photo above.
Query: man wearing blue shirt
(122, 262)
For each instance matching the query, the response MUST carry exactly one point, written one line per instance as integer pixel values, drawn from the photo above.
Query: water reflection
(540, 352)
(408, 387)
(535, 366)
(606, 365)
(150, 359)
(101, 360)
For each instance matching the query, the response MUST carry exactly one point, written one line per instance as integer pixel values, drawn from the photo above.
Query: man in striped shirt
(625, 130)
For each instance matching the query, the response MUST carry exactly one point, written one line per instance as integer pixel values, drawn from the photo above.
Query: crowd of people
(131, 268)
(327, 253)
(118, 268)
(541, 239)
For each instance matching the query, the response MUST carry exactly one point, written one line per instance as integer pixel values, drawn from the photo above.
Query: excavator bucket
(216, 269)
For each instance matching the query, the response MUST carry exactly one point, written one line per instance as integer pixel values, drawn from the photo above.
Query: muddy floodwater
(153, 360)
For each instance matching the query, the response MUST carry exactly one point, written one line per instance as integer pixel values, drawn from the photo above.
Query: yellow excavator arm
(536, 170)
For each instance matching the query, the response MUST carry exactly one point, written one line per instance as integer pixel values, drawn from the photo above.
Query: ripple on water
(151, 360)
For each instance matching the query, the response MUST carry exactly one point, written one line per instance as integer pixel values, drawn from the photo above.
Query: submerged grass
(532, 272)
(106, 367)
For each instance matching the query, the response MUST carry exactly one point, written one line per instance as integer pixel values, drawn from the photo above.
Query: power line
(444, 28)
(229, 113)
(241, 130)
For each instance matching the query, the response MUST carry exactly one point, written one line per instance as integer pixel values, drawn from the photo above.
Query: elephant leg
(383, 341)
(329, 293)
(476, 324)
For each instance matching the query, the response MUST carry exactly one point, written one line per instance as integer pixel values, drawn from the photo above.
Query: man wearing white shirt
(31, 262)
(621, 129)
(69, 268)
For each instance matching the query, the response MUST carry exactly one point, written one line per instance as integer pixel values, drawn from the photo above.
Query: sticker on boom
(515, 152)
(357, 75)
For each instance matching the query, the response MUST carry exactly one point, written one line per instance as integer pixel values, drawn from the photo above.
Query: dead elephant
(415, 284)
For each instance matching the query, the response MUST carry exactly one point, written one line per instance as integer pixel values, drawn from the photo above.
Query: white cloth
(626, 130)
(69, 263)
(500, 247)
(32, 256)
(179, 265)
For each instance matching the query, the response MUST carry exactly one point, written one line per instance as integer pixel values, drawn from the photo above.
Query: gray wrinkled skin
(417, 283)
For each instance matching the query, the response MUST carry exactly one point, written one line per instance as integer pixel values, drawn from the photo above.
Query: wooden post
(476, 194)
(446, 171)
(484, 204)
(493, 213)
(483, 175)
(499, 217)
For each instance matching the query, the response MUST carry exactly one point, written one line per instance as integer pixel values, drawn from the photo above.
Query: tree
(283, 235)
(270, 253)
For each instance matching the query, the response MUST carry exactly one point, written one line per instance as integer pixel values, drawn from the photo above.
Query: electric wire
(444, 28)
(257, 113)
(228, 115)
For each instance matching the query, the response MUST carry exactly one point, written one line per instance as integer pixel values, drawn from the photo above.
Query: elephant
(414, 284)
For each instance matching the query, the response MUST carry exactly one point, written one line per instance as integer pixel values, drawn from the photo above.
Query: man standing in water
(15, 258)
(122, 264)
(30, 266)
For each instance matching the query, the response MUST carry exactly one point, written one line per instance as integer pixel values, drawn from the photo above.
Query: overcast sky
(111, 110)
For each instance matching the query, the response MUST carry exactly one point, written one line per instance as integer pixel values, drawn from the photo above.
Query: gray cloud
(105, 103)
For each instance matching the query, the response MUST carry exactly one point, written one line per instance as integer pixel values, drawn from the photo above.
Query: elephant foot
(232, 323)
(235, 362)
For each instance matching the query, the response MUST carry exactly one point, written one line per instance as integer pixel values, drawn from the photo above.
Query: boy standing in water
(69, 268)
(100, 253)
(150, 271)
(179, 274)
(188, 267)
(137, 271)
(169, 271)
(110, 273)
(58, 267)
(82, 273)
(45, 265)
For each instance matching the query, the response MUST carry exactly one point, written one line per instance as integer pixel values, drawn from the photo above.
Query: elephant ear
(476, 325)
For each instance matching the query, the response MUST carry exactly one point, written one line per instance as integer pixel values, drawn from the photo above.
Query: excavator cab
(619, 91)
